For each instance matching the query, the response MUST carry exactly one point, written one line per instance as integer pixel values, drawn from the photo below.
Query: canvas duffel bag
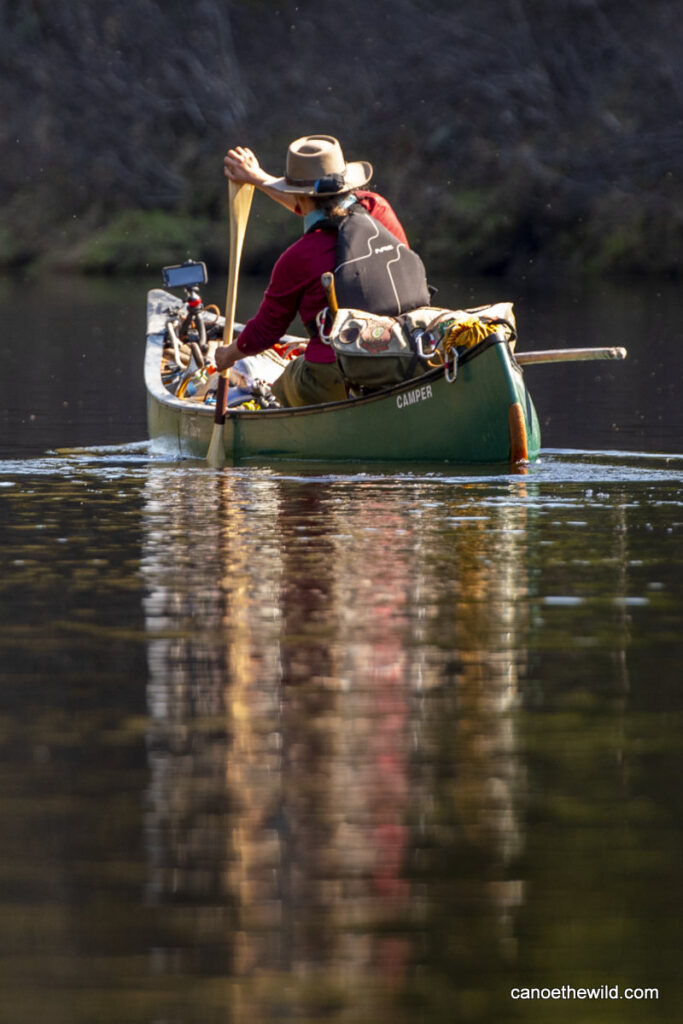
(374, 352)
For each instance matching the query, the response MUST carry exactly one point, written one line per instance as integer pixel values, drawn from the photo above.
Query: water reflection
(367, 747)
(333, 747)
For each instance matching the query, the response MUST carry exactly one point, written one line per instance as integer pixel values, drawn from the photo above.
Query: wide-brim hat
(316, 166)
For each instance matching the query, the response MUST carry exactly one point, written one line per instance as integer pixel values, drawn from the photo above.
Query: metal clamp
(451, 373)
(321, 317)
(417, 339)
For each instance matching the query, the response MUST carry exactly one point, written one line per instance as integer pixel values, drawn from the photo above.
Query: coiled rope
(466, 334)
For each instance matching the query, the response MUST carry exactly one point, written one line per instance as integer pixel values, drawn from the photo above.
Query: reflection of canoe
(485, 415)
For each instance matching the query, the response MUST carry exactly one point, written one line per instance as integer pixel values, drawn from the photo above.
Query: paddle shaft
(569, 355)
(240, 197)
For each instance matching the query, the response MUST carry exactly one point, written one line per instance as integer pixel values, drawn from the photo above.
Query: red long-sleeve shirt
(295, 287)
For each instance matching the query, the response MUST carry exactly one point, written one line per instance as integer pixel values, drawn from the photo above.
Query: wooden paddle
(569, 355)
(239, 197)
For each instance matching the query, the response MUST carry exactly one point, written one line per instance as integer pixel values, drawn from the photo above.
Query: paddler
(329, 194)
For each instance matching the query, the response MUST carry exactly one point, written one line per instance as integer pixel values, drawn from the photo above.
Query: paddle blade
(215, 456)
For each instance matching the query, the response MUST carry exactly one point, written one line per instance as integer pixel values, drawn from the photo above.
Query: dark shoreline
(505, 135)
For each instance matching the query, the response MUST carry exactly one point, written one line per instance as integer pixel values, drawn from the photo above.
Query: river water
(339, 743)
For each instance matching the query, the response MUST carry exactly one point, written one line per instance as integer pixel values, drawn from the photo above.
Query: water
(336, 743)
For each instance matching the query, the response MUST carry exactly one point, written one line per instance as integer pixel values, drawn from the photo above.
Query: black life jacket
(375, 271)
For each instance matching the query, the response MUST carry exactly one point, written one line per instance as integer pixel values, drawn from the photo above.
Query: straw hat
(316, 166)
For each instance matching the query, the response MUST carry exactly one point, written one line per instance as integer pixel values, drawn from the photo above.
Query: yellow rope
(466, 334)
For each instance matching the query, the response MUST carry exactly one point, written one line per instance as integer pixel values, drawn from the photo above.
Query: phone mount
(189, 275)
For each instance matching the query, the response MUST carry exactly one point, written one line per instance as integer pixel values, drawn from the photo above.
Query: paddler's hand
(241, 166)
(226, 356)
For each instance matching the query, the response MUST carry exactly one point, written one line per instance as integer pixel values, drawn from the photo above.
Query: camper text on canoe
(416, 395)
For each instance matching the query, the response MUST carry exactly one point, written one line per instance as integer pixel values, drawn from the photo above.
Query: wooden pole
(569, 355)
(327, 280)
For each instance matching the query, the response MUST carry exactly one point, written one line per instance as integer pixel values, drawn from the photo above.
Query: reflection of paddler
(278, 768)
(321, 840)
(328, 193)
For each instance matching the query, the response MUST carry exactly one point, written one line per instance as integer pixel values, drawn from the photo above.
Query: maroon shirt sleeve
(295, 287)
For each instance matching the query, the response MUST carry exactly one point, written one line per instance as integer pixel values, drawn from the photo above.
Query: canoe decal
(416, 395)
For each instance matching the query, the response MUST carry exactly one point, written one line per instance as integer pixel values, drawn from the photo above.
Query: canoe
(484, 415)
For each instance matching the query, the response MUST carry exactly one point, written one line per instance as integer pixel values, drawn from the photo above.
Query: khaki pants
(305, 383)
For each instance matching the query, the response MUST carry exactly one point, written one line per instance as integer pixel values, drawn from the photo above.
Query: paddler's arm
(240, 165)
(278, 308)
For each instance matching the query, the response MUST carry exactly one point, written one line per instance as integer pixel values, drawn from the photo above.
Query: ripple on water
(558, 466)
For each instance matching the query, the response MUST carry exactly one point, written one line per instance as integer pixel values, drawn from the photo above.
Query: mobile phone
(184, 275)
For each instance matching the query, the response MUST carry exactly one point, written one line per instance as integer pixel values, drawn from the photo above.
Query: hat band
(305, 182)
(329, 183)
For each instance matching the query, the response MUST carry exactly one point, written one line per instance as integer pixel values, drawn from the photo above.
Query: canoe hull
(425, 419)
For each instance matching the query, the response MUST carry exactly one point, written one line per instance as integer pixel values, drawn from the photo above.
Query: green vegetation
(134, 239)
(505, 132)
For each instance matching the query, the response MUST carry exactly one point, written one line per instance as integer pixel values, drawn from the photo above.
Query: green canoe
(485, 415)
